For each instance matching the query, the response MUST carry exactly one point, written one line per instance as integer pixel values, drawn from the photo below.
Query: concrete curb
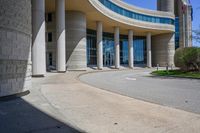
(14, 96)
(175, 77)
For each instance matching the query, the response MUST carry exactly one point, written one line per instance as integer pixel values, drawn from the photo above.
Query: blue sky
(151, 4)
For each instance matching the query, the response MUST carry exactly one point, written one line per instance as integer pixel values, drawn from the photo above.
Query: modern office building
(40, 35)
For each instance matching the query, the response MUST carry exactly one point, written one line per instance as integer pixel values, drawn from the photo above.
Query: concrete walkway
(61, 103)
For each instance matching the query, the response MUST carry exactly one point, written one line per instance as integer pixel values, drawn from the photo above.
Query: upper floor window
(135, 15)
(49, 37)
(50, 59)
(49, 17)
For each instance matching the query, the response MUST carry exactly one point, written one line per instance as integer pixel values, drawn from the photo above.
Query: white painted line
(129, 78)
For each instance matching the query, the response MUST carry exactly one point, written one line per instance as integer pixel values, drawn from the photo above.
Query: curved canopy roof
(96, 11)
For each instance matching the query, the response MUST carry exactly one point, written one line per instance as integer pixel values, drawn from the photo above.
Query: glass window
(177, 34)
(50, 59)
(123, 51)
(139, 44)
(91, 48)
(49, 17)
(49, 37)
(134, 15)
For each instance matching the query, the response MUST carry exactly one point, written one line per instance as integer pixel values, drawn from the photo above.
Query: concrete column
(158, 5)
(165, 5)
(15, 47)
(76, 40)
(149, 62)
(38, 35)
(189, 25)
(171, 49)
(99, 45)
(60, 35)
(117, 54)
(130, 49)
(163, 49)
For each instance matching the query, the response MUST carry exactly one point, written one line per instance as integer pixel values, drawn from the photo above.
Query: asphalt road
(178, 93)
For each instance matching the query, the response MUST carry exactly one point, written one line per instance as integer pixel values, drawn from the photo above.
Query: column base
(99, 68)
(61, 71)
(38, 76)
(14, 96)
(131, 67)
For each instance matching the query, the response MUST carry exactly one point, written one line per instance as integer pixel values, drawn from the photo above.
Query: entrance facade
(139, 45)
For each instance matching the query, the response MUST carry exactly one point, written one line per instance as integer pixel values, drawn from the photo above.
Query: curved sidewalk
(89, 109)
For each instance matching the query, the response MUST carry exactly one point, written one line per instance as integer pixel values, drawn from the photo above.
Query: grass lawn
(177, 73)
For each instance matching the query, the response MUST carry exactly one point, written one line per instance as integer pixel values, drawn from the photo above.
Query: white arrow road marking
(129, 78)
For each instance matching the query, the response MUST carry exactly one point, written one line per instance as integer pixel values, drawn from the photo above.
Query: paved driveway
(173, 92)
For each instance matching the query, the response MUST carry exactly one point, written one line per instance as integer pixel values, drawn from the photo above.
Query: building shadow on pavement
(18, 116)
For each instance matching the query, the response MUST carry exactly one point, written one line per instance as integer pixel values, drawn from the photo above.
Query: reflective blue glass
(139, 44)
(91, 48)
(108, 51)
(177, 34)
(135, 15)
(124, 50)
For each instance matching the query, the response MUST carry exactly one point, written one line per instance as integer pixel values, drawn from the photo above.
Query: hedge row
(188, 59)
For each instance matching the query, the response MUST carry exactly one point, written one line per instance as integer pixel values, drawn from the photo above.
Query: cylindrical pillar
(171, 50)
(38, 35)
(76, 40)
(158, 5)
(60, 35)
(163, 49)
(99, 45)
(117, 54)
(130, 49)
(149, 60)
(165, 5)
(15, 47)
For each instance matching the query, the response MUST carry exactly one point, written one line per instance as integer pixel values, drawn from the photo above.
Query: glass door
(108, 58)
(108, 52)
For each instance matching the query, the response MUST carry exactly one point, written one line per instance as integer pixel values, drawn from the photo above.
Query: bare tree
(196, 34)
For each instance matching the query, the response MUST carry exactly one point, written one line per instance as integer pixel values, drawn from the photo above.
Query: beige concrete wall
(15, 44)
(163, 49)
(189, 26)
(181, 29)
(76, 40)
(185, 25)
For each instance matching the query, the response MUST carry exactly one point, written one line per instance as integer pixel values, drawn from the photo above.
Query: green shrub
(188, 58)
